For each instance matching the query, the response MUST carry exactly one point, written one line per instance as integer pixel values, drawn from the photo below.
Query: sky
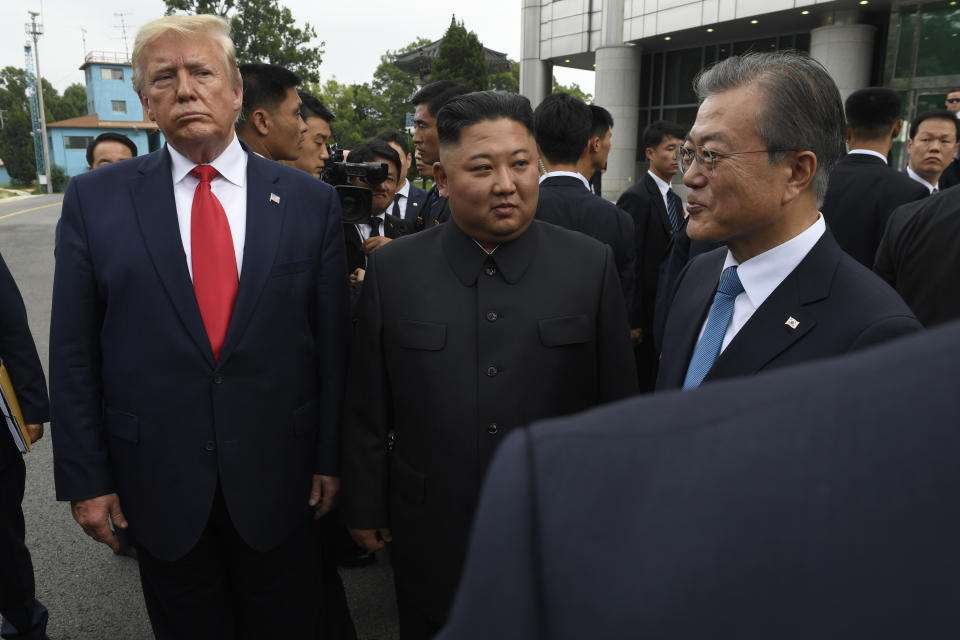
(356, 32)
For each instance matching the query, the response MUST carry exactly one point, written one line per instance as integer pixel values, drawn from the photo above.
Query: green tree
(507, 80)
(263, 31)
(394, 87)
(16, 142)
(354, 107)
(460, 58)
(73, 102)
(573, 89)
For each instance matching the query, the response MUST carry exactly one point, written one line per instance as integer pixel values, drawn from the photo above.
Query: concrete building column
(617, 89)
(536, 75)
(846, 50)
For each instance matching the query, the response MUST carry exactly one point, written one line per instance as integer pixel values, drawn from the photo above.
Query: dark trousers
(223, 589)
(333, 542)
(414, 622)
(23, 617)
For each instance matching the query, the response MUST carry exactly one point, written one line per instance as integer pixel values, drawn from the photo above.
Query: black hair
(600, 121)
(396, 137)
(872, 111)
(479, 106)
(562, 125)
(371, 150)
(109, 136)
(935, 114)
(437, 94)
(654, 134)
(264, 87)
(310, 107)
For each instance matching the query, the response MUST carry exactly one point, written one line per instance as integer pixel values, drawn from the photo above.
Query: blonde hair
(213, 27)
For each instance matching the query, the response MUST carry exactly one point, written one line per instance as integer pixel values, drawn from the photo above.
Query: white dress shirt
(365, 229)
(404, 193)
(664, 187)
(869, 152)
(913, 174)
(762, 274)
(566, 174)
(230, 188)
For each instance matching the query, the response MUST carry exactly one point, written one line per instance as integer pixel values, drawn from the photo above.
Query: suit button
(217, 379)
(490, 270)
(492, 371)
(492, 316)
(210, 446)
(492, 428)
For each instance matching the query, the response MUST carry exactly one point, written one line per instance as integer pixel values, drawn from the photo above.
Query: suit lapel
(657, 199)
(784, 317)
(266, 206)
(156, 210)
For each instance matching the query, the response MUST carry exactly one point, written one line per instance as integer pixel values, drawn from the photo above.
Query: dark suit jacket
(950, 176)
(652, 239)
(140, 406)
(564, 201)
(393, 228)
(453, 350)
(434, 211)
(862, 193)
(415, 199)
(919, 256)
(813, 502)
(840, 306)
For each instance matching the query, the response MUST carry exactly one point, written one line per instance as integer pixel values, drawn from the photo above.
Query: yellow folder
(12, 412)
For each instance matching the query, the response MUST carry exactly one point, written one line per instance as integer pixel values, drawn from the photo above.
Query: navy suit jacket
(862, 193)
(839, 306)
(415, 199)
(140, 405)
(812, 502)
(566, 202)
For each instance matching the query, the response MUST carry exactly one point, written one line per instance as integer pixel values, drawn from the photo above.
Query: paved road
(91, 593)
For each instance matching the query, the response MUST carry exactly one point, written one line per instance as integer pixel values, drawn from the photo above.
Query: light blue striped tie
(717, 322)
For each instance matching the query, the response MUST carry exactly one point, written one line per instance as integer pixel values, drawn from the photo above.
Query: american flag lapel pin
(792, 322)
(274, 198)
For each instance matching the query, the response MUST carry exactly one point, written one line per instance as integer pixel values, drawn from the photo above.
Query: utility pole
(123, 30)
(35, 30)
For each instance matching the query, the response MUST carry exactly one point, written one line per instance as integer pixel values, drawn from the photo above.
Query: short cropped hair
(373, 149)
(213, 27)
(872, 111)
(264, 87)
(601, 121)
(934, 114)
(110, 136)
(654, 134)
(561, 126)
(396, 137)
(437, 94)
(802, 110)
(480, 106)
(311, 107)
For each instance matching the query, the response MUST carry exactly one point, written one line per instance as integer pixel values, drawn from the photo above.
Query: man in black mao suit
(655, 226)
(196, 354)
(782, 292)
(919, 256)
(563, 127)
(466, 332)
(814, 502)
(24, 617)
(863, 190)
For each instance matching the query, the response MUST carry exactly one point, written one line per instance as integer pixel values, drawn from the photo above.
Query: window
(107, 73)
(77, 142)
(118, 106)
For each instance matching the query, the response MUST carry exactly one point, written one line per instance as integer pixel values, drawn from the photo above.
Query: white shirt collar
(913, 174)
(231, 164)
(566, 174)
(405, 189)
(664, 186)
(763, 273)
(868, 152)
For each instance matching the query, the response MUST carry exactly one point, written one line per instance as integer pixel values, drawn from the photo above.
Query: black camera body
(356, 203)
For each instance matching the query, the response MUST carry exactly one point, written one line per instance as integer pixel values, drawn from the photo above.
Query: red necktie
(214, 259)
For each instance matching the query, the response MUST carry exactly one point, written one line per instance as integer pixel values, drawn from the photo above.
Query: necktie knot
(730, 283)
(204, 173)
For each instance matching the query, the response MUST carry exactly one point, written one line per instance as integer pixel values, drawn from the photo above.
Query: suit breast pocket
(290, 268)
(421, 336)
(565, 330)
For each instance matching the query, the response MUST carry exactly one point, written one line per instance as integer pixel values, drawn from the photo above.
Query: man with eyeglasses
(932, 147)
(768, 131)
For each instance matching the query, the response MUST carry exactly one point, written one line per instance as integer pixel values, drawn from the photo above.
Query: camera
(356, 203)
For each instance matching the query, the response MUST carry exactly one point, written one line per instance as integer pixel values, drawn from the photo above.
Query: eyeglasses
(953, 100)
(706, 158)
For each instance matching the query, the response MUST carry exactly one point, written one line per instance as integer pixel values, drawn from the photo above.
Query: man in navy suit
(409, 198)
(782, 291)
(657, 215)
(197, 353)
(563, 128)
(863, 190)
(812, 502)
